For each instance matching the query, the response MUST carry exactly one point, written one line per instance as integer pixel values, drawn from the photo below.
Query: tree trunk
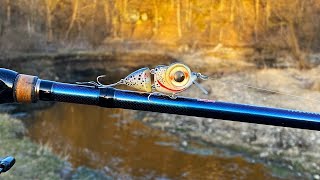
(124, 7)
(172, 4)
(108, 16)
(268, 12)
(186, 10)
(118, 7)
(221, 10)
(93, 17)
(256, 23)
(8, 14)
(179, 19)
(233, 6)
(220, 35)
(296, 48)
(49, 22)
(211, 19)
(30, 23)
(73, 17)
(190, 14)
(221, 6)
(156, 16)
(111, 7)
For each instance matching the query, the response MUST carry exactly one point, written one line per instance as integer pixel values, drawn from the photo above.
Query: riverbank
(33, 161)
(296, 149)
(36, 161)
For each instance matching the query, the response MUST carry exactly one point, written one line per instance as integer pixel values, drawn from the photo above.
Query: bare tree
(211, 19)
(296, 50)
(267, 13)
(108, 16)
(124, 7)
(257, 19)
(93, 17)
(31, 16)
(189, 8)
(179, 18)
(156, 16)
(221, 11)
(75, 7)
(172, 4)
(50, 7)
(8, 10)
(116, 21)
(232, 11)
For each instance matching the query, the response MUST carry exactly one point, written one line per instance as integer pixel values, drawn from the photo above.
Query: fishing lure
(168, 80)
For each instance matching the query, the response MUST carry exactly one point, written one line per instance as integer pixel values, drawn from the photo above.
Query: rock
(88, 173)
(290, 167)
(264, 154)
(66, 171)
(314, 58)
(184, 143)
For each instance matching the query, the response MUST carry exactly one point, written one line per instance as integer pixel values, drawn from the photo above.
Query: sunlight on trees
(282, 24)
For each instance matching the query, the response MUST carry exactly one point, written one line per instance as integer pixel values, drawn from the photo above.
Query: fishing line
(261, 89)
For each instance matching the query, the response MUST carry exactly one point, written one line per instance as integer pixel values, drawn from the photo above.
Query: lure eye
(179, 76)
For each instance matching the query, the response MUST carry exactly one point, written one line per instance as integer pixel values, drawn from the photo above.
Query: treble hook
(98, 84)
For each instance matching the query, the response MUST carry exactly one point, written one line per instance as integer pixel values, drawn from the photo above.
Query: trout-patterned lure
(168, 80)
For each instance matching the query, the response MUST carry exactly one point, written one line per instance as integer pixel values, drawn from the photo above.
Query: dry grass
(32, 161)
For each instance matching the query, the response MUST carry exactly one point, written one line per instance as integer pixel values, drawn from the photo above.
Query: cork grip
(25, 88)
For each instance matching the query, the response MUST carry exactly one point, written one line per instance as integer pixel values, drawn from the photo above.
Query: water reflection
(112, 140)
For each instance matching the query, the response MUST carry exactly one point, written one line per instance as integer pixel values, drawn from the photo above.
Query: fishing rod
(161, 96)
(21, 88)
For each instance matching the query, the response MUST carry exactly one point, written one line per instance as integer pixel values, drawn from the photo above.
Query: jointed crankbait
(168, 80)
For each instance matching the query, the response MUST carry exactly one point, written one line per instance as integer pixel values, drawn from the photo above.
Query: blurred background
(262, 43)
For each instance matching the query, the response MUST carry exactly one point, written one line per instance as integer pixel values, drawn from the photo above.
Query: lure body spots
(139, 79)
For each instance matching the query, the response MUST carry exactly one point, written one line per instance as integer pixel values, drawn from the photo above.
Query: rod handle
(15, 87)
(25, 88)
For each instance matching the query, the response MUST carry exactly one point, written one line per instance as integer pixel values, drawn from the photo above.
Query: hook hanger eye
(201, 76)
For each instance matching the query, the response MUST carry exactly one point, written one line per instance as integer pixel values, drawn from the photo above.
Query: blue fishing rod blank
(115, 98)
(26, 89)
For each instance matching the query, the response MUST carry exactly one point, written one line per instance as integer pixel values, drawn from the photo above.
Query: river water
(122, 146)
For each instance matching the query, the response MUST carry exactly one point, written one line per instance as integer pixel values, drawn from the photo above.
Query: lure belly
(168, 80)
